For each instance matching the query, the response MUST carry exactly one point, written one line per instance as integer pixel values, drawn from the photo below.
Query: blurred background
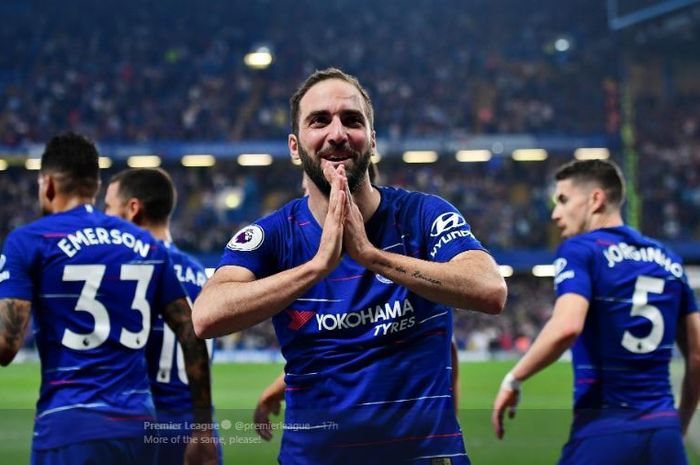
(477, 101)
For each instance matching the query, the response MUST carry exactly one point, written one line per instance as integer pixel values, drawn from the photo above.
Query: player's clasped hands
(355, 239)
(330, 249)
(344, 227)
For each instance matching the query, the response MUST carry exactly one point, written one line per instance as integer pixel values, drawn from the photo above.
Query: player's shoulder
(84, 216)
(584, 239)
(274, 224)
(411, 200)
(57, 224)
(181, 257)
(648, 241)
(401, 194)
(294, 209)
(625, 240)
(579, 244)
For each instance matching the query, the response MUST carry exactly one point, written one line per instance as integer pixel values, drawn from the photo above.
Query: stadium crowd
(162, 71)
(507, 203)
(168, 71)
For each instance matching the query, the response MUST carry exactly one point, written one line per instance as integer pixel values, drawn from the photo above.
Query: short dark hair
(73, 158)
(324, 75)
(605, 173)
(153, 187)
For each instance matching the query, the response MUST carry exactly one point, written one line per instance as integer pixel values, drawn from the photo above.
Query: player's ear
(134, 210)
(50, 188)
(597, 200)
(293, 144)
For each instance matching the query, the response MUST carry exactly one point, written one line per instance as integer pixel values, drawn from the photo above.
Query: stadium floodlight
(143, 161)
(420, 156)
(562, 44)
(104, 162)
(376, 158)
(255, 159)
(259, 58)
(3, 165)
(591, 153)
(505, 270)
(233, 200)
(296, 161)
(472, 156)
(198, 160)
(529, 155)
(543, 271)
(33, 164)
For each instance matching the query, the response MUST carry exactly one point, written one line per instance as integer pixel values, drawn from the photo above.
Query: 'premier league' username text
(226, 425)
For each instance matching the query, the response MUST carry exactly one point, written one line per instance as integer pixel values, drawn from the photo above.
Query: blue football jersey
(93, 281)
(166, 363)
(368, 361)
(637, 291)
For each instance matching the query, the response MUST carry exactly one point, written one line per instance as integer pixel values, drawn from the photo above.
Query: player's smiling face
(333, 129)
(572, 209)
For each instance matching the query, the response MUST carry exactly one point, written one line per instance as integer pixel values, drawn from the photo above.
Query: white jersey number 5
(641, 307)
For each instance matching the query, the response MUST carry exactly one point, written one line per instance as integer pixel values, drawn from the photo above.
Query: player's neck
(63, 203)
(606, 220)
(160, 231)
(367, 199)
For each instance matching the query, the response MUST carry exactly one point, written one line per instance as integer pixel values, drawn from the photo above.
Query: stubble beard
(356, 174)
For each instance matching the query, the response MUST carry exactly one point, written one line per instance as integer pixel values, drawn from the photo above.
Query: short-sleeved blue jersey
(637, 291)
(93, 281)
(166, 365)
(368, 361)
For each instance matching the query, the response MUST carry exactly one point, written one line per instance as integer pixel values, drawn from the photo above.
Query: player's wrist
(510, 382)
(369, 256)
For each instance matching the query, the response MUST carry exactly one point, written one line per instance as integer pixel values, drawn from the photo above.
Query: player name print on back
(85, 237)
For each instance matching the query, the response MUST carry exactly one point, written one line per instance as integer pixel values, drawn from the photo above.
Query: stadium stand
(437, 72)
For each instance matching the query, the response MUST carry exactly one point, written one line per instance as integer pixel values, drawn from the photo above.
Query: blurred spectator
(144, 71)
(167, 70)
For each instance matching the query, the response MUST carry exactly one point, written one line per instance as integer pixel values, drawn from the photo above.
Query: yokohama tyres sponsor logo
(388, 317)
(299, 318)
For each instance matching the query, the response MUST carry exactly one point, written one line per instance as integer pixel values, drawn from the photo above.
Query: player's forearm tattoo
(416, 274)
(14, 316)
(386, 264)
(383, 263)
(178, 315)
